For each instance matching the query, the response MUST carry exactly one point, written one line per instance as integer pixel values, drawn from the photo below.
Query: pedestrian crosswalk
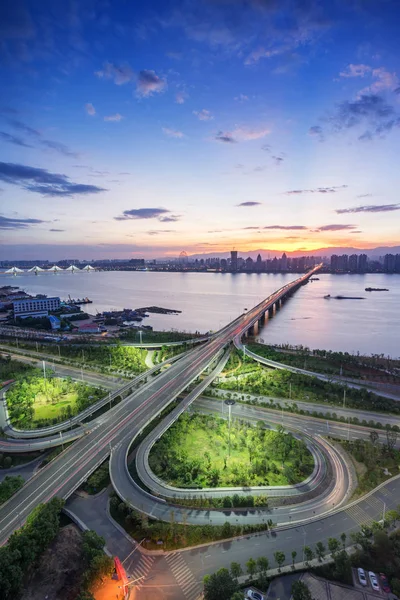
(189, 586)
(139, 570)
(377, 505)
(359, 515)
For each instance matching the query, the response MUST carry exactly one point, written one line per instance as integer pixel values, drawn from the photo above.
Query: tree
(237, 596)
(219, 586)
(308, 555)
(279, 559)
(343, 537)
(236, 570)
(320, 550)
(251, 567)
(300, 591)
(391, 438)
(263, 564)
(374, 437)
(392, 516)
(333, 545)
(294, 554)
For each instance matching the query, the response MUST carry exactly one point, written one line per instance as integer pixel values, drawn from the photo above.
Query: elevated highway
(63, 475)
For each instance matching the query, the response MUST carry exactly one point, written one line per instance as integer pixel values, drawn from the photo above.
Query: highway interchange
(114, 431)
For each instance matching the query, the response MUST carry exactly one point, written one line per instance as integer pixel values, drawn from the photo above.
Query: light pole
(244, 353)
(140, 336)
(44, 369)
(229, 404)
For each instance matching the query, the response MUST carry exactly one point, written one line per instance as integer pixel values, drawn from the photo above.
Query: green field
(195, 452)
(34, 401)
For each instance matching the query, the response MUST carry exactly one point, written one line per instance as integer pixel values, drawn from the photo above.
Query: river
(209, 300)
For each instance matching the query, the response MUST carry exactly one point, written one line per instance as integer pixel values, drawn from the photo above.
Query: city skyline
(143, 131)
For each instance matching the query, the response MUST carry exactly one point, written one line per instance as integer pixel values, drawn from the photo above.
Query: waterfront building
(35, 307)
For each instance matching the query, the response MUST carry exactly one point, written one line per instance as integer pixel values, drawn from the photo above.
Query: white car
(374, 581)
(361, 576)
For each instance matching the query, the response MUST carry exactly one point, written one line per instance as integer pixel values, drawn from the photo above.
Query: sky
(142, 129)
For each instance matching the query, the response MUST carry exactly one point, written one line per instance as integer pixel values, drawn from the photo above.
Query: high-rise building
(234, 261)
(389, 263)
(362, 263)
(284, 264)
(353, 261)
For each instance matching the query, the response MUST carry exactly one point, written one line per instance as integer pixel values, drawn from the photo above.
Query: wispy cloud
(203, 115)
(173, 132)
(56, 230)
(162, 214)
(8, 223)
(364, 195)
(181, 97)
(247, 204)
(114, 118)
(372, 208)
(148, 83)
(120, 74)
(286, 227)
(334, 227)
(241, 98)
(90, 109)
(226, 138)
(320, 190)
(60, 148)
(278, 160)
(34, 133)
(13, 139)
(369, 112)
(43, 182)
(158, 231)
(317, 132)
(355, 71)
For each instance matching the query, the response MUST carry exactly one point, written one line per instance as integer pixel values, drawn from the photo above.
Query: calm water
(209, 300)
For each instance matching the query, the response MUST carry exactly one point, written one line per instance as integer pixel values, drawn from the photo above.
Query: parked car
(384, 583)
(361, 576)
(374, 581)
(252, 595)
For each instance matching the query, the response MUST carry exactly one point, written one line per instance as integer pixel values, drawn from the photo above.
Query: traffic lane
(326, 407)
(67, 471)
(215, 556)
(75, 373)
(311, 425)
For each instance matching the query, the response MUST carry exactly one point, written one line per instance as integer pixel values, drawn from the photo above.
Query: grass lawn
(47, 410)
(195, 452)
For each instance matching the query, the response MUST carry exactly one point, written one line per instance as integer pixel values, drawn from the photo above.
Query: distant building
(353, 263)
(284, 262)
(35, 307)
(389, 263)
(234, 261)
(54, 322)
(362, 263)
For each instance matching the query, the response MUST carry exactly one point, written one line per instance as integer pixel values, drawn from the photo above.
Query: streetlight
(244, 353)
(229, 404)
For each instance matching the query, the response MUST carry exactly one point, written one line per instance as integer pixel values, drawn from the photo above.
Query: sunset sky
(132, 129)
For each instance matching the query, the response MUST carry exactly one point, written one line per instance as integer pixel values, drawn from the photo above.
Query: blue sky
(146, 128)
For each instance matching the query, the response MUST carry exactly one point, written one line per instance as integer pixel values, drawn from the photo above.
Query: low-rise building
(35, 307)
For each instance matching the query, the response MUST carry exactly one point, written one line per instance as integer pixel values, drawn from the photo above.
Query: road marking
(141, 569)
(183, 575)
(359, 515)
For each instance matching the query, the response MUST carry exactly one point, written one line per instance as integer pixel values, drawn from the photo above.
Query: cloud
(60, 148)
(120, 74)
(316, 131)
(57, 146)
(369, 111)
(397, 90)
(7, 223)
(13, 139)
(42, 181)
(261, 52)
(90, 109)
(175, 55)
(246, 134)
(355, 71)
(334, 227)
(364, 195)
(241, 134)
(56, 230)
(114, 118)
(372, 208)
(278, 160)
(162, 214)
(384, 80)
(148, 83)
(266, 148)
(22, 127)
(249, 204)
(286, 227)
(203, 115)
(225, 137)
(241, 98)
(181, 97)
(158, 231)
(173, 133)
(320, 190)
